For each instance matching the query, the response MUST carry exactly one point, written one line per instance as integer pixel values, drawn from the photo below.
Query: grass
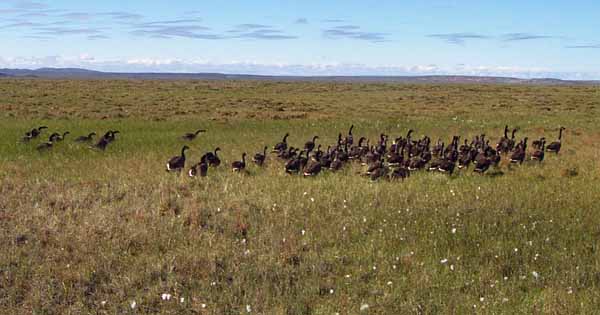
(91, 232)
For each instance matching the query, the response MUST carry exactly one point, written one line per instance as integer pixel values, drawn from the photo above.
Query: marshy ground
(84, 231)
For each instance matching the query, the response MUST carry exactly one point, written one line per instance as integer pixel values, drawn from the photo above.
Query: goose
(281, 146)
(510, 144)
(400, 173)
(336, 164)
(555, 146)
(34, 133)
(177, 163)
(518, 155)
(213, 159)
(313, 168)
(192, 135)
(350, 138)
(45, 146)
(447, 166)
(482, 164)
(56, 137)
(238, 166)
(536, 144)
(375, 165)
(259, 158)
(538, 154)
(199, 169)
(110, 137)
(104, 141)
(87, 138)
(378, 173)
(310, 145)
(296, 164)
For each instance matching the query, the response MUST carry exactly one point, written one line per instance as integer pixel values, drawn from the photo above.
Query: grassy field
(88, 232)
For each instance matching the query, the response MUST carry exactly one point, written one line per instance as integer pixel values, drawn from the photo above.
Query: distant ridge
(77, 73)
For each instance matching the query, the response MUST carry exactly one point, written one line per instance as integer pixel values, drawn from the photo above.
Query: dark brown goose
(482, 163)
(200, 169)
(213, 158)
(45, 146)
(192, 135)
(350, 138)
(555, 146)
(538, 154)
(536, 144)
(177, 163)
(518, 156)
(104, 141)
(259, 158)
(34, 133)
(87, 138)
(400, 173)
(310, 145)
(281, 146)
(239, 166)
(313, 168)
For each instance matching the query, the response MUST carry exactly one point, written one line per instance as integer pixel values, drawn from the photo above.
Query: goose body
(259, 158)
(556, 145)
(87, 138)
(177, 163)
(238, 166)
(192, 135)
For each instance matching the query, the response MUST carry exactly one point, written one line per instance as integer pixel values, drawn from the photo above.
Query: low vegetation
(88, 231)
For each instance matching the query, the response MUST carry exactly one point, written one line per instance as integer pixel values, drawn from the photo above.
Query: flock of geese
(395, 160)
(56, 137)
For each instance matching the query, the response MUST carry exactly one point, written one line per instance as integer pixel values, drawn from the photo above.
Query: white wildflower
(535, 274)
(364, 307)
(453, 230)
(443, 261)
(165, 296)
(248, 308)
(133, 304)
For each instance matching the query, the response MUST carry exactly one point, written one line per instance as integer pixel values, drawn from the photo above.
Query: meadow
(110, 232)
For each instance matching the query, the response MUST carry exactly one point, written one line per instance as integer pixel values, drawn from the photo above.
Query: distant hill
(77, 73)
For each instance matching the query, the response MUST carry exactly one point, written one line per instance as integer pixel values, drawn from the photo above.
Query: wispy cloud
(354, 32)
(301, 21)
(333, 21)
(510, 37)
(589, 46)
(458, 38)
(58, 31)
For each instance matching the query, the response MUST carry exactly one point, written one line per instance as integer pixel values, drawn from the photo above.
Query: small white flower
(570, 290)
(103, 303)
(481, 299)
(347, 276)
(181, 300)
(248, 307)
(330, 291)
(374, 267)
(303, 232)
(218, 209)
(203, 305)
(452, 267)
(443, 261)
(516, 249)
(165, 296)
(453, 230)
(364, 307)
(133, 304)
(304, 194)
(535, 274)
(389, 283)
(394, 267)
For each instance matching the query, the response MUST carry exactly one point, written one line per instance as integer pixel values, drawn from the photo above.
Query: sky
(535, 38)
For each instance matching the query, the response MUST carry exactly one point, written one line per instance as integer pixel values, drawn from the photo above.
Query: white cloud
(252, 67)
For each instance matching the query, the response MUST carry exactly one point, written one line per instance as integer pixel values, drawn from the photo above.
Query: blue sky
(312, 37)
